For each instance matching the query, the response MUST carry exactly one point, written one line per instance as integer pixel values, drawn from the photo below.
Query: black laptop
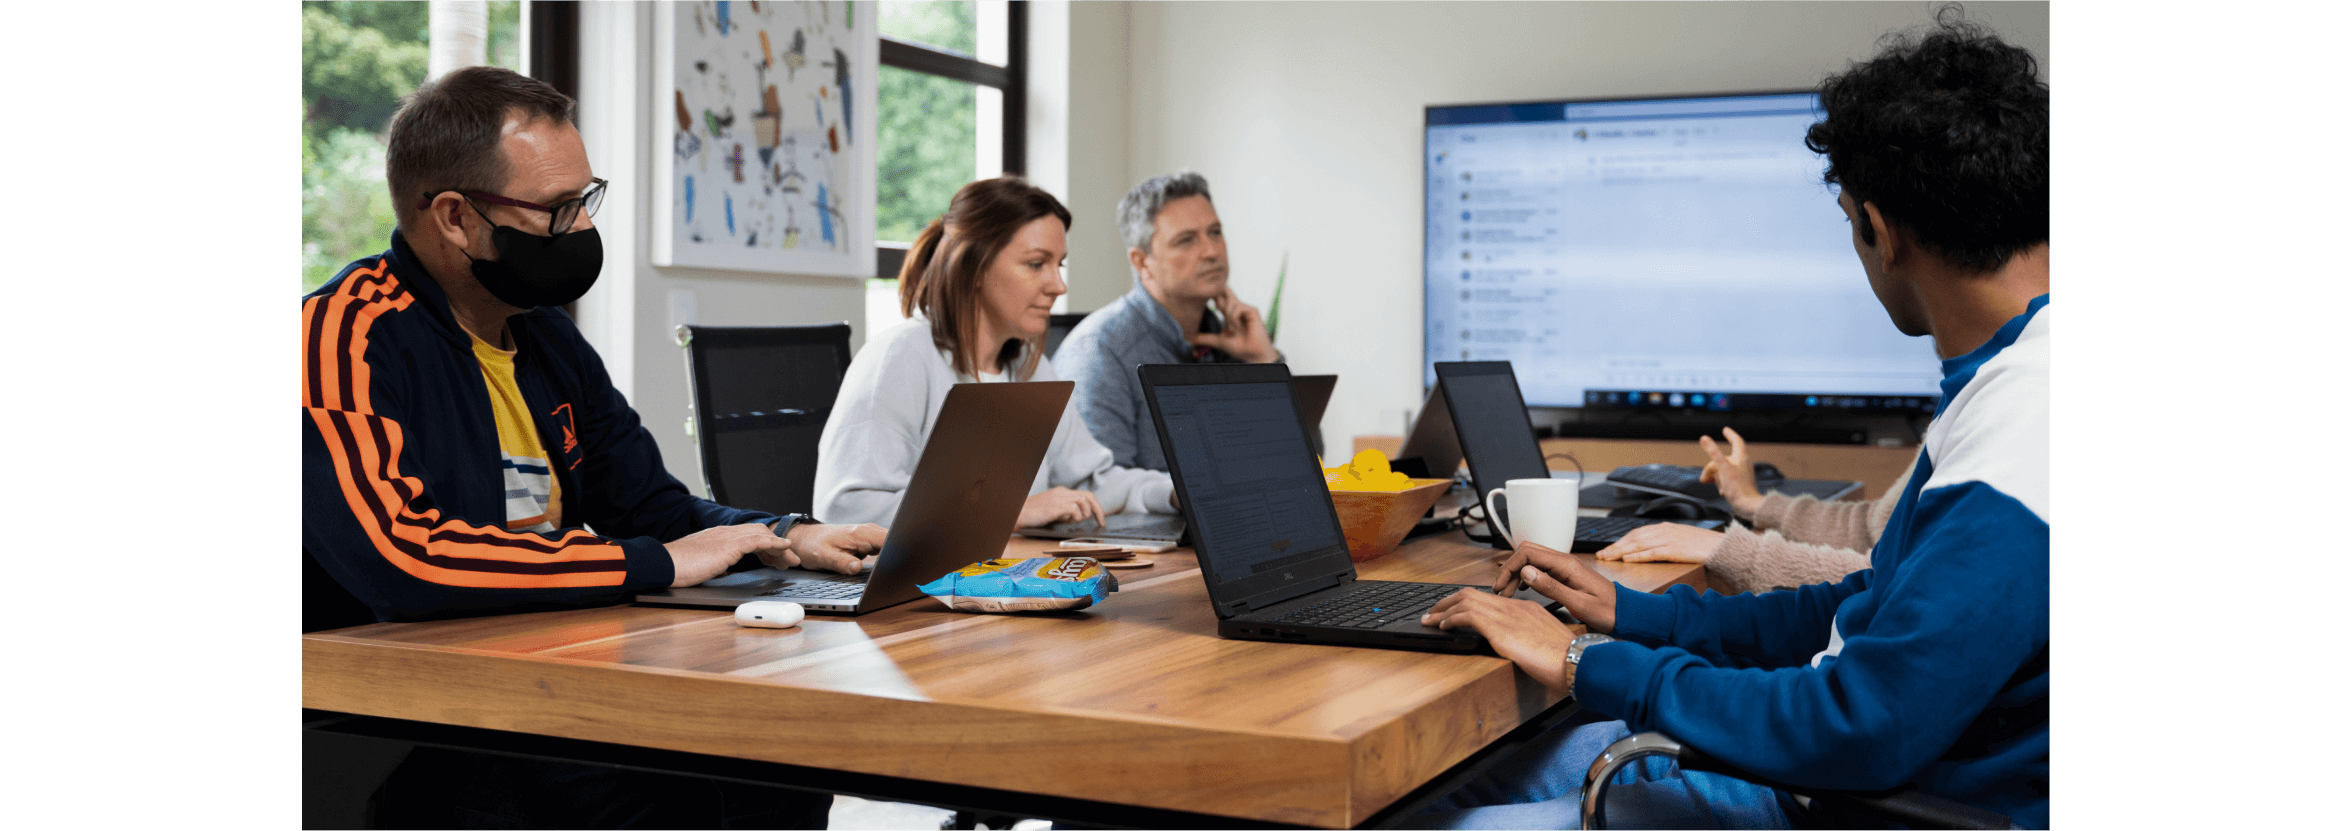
(1497, 437)
(975, 471)
(1269, 544)
(1313, 395)
(1431, 451)
(1313, 399)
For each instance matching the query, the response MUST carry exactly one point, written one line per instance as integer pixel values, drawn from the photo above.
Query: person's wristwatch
(1581, 642)
(783, 524)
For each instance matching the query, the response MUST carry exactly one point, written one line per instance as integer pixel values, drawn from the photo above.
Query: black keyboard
(823, 589)
(1607, 529)
(1372, 605)
(1680, 479)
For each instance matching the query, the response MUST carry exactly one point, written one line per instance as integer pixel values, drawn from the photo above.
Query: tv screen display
(1666, 253)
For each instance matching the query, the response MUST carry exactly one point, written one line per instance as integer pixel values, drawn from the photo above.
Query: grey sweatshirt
(887, 406)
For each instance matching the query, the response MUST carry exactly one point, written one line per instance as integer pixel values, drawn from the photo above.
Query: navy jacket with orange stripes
(403, 498)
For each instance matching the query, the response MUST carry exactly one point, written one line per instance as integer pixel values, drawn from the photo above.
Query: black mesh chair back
(1058, 328)
(760, 395)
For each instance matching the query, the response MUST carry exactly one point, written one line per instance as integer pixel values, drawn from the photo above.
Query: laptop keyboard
(823, 589)
(1371, 606)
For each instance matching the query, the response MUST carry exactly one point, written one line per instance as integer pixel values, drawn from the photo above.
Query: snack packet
(1042, 584)
(1367, 472)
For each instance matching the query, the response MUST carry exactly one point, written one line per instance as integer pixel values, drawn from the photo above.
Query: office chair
(1905, 804)
(759, 396)
(1058, 329)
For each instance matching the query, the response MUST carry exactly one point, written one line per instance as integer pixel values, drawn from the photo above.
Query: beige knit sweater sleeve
(1803, 540)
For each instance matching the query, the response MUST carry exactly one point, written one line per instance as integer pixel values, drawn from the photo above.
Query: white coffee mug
(1545, 511)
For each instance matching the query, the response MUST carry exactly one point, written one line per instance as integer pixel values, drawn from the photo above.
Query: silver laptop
(964, 499)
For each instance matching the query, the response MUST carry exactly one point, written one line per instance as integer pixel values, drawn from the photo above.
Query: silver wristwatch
(1581, 642)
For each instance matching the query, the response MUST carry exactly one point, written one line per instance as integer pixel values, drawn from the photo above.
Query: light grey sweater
(889, 402)
(1802, 540)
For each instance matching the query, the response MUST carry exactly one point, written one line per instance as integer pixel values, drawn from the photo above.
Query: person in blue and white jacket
(1929, 669)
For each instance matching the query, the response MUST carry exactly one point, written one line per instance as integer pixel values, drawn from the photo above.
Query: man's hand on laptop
(837, 548)
(1061, 505)
(830, 548)
(1519, 630)
(707, 553)
(1559, 576)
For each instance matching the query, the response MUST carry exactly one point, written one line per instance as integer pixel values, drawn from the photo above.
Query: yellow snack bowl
(1376, 521)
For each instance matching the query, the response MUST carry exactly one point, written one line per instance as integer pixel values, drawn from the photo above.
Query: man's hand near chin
(1244, 334)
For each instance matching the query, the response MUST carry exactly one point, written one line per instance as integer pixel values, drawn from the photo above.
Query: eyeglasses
(561, 215)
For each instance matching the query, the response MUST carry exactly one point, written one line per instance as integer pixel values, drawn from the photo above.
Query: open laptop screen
(1260, 511)
(1490, 418)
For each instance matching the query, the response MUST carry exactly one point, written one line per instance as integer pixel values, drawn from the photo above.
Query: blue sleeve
(1777, 629)
(1962, 613)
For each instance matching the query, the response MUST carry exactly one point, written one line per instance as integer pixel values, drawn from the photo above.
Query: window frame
(1011, 79)
(554, 43)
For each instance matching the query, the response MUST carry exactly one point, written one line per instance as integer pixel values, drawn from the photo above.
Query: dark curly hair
(1948, 134)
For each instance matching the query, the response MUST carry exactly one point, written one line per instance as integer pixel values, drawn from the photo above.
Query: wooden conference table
(1133, 704)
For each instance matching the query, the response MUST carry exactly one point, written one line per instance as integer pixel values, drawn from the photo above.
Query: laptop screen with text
(1258, 499)
(1490, 418)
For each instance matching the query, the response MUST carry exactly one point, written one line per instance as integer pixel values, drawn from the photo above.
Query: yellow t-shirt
(532, 497)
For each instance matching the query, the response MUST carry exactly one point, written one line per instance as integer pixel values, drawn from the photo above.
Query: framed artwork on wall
(768, 110)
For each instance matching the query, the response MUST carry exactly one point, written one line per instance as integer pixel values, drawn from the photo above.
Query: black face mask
(533, 271)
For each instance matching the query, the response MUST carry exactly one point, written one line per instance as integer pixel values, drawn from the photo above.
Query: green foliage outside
(358, 60)
(928, 124)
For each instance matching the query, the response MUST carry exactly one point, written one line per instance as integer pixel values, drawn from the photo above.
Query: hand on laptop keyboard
(1523, 632)
(707, 553)
(835, 548)
(1061, 505)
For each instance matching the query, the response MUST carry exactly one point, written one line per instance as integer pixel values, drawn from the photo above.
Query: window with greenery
(950, 95)
(358, 60)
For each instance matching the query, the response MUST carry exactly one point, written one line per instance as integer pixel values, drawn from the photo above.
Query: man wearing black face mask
(460, 438)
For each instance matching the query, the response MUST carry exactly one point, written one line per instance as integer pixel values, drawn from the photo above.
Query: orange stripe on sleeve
(420, 543)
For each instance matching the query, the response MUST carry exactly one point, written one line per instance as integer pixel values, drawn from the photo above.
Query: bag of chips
(1043, 584)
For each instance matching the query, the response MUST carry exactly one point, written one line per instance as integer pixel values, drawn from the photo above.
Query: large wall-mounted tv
(1675, 254)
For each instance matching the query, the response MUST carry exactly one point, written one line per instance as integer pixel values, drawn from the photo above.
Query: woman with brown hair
(978, 289)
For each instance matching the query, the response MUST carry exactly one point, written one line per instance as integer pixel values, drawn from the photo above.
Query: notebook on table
(966, 492)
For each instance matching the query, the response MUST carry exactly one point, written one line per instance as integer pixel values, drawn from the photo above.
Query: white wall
(1307, 117)
(628, 315)
(1097, 158)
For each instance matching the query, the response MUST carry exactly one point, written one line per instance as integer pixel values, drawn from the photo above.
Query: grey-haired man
(1181, 310)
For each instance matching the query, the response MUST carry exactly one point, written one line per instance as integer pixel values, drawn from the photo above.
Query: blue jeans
(1541, 786)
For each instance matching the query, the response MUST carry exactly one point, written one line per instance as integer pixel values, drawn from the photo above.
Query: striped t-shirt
(531, 503)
